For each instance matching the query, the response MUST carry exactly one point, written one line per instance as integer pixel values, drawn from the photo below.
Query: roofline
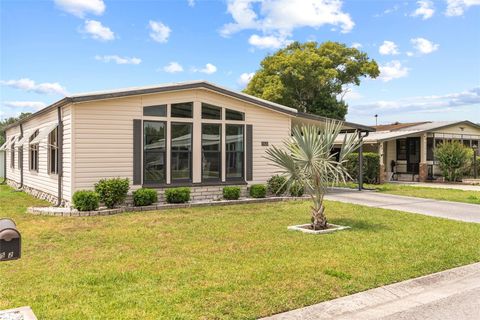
(320, 118)
(159, 89)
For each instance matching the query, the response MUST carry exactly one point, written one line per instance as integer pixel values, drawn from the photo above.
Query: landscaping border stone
(332, 228)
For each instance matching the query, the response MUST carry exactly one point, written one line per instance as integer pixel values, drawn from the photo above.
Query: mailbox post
(10, 240)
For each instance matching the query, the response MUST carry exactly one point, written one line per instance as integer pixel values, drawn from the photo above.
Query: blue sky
(428, 51)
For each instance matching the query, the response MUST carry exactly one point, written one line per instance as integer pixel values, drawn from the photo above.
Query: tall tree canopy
(312, 78)
(8, 121)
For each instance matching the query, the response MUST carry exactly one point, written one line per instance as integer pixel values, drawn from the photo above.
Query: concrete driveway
(444, 209)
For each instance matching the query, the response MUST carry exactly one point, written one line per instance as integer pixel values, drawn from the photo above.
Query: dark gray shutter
(249, 149)
(137, 151)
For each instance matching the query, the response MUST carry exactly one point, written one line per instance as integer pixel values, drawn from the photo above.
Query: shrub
(277, 185)
(258, 191)
(113, 191)
(371, 167)
(231, 193)
(177, 195)
(85, 200)
(144, 197)
(296, 190)
(454, 159)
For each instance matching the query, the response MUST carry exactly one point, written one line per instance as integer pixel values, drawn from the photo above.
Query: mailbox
(10, 240)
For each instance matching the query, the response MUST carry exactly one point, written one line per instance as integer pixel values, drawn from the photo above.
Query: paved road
(445, 209)
(452, 294)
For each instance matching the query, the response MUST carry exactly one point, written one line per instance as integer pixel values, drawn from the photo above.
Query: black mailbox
(10, 240)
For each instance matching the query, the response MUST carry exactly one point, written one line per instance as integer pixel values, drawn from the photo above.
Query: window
(211, 151)
(182, 110)
(466, 143)
(234, 115)
(234, 151)
(12, 155)
(181, 155)
(155, 111)
(402, 149)
(211, 112)
(429, 149)
(154, 152)
(33, 153)
(53, 151)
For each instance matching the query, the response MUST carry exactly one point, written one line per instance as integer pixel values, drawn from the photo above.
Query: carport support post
(360, 162)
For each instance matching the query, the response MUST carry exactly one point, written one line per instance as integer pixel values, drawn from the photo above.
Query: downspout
(360, 160)
(20, 158)
(60, 155)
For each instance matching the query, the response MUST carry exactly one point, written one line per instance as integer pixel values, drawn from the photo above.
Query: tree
(8, 121)
(312, 78)
(454, 159)
(307, 159)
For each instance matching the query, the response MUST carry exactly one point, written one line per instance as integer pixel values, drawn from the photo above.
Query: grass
(424, 192)
(235, 262)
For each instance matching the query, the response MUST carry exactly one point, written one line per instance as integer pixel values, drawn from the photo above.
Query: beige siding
(103, 133)
(42, 180)
(12, 173)
(457, 129)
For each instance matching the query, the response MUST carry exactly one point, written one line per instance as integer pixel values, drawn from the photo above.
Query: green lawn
(424, 192)
(234, 262)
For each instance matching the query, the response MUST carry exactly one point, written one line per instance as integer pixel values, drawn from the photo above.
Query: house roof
(169, 87)
(396, 126)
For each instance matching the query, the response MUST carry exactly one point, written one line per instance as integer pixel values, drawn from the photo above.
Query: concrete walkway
(444, 209)
(465, 187)
(451, 294)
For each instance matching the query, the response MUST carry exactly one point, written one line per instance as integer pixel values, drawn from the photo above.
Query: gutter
(60, 155)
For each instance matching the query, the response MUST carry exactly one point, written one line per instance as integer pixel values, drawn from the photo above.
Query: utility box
(10, 240)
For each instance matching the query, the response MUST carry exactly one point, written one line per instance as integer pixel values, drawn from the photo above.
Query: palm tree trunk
(319, 220)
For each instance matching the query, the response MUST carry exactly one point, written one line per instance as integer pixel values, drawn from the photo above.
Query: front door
(413, 155)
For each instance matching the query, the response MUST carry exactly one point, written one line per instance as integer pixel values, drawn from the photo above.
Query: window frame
(232, 110)
(164, 106)
(403, 158)
(53, 148)
(33, 153)
(220, 152)
(12, 153)
(190, 178)
(242, 177)
(172, 106)
(165, 128)
(208, 105)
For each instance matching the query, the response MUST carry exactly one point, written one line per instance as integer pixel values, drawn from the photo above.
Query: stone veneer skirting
(37, 193)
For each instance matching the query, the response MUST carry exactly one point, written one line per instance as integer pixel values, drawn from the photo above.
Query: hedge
(177, 195)
(144, 197)
(231, 193)
(371, 167)
(85, 200)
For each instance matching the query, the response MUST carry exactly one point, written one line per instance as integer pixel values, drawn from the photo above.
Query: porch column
(381, 173)
(422, 168)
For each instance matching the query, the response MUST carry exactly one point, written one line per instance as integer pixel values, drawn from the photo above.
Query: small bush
(144, 197)
(177, 195)
(258, 191)
(371, 167)
(277, 185)
(231, 193)
(296, 190)
(113, 191)
(454, 159)
(85, 200)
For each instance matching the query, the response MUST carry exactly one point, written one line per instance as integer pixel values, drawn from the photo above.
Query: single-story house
(193, 134)
(407, 149)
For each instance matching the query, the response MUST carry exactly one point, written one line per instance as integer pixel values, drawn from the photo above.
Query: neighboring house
(407, 149)
(193, 134)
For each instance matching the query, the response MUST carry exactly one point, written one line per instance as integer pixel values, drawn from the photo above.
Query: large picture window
(33, 153)
(181, 155)
(234, 151)
(154, 154)
(211, 151)
(53, 151)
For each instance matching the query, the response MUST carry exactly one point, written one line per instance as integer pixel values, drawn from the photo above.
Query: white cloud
(279, 18)
(425, 104)
(191, 3)
(356, 45)
(392, 70)
(159, 31)
(37, 105)
(268, 42)
(458, 7)
(425, 9)
(30, 85)
(98, 31)
(173, 67)
(80, 8)
(388, 48)
(245, 78)
(118, 59)
(208, 69)
(424, 46)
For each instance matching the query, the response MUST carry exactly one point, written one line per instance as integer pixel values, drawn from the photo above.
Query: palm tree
(308, 159)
